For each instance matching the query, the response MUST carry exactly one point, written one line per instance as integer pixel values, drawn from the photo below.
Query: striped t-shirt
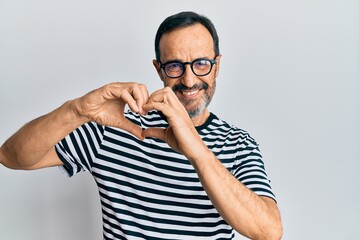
(149, 191)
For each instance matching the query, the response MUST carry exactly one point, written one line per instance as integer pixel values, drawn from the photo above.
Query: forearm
(246, 212)
(33, 142)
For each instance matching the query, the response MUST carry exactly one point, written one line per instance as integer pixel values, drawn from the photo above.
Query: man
(168, 168)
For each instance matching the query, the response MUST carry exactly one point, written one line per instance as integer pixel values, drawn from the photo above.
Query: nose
(189, 78)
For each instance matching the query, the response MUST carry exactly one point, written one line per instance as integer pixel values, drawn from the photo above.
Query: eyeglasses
(200, 67)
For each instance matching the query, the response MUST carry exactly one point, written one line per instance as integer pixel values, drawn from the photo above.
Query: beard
(197, 106)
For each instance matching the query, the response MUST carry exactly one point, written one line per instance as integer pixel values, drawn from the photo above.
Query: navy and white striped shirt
(149, 191)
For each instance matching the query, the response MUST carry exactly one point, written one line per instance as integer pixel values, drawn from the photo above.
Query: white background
(289, 76)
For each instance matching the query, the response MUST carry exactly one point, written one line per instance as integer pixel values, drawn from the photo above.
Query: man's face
(186, 45)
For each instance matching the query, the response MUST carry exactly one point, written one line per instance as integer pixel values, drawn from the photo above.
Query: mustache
(182, 87)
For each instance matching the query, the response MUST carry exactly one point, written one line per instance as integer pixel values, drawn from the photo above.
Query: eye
(201, 64)
(172, 67)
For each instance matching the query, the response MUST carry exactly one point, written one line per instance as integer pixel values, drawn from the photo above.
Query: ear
(217, 65)
(158, 69)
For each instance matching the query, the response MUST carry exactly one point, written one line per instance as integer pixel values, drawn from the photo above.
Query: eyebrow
(173, 60)
(178, 60)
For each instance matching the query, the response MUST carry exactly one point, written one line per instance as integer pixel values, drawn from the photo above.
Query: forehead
(186, 44)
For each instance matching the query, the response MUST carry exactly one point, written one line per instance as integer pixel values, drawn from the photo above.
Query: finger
(141, 96)
(165, 95)
(128, 98)
(155, 133)
(155, 101)
(164, 100)
(157, 96)
(159, 106)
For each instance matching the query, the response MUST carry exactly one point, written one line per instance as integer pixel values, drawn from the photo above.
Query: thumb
(155, 133)
(132, 128)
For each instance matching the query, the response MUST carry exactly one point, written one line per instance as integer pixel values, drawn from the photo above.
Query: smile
(190, 93)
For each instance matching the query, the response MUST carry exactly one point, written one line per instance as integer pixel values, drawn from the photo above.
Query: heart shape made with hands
(164, 134)
(106, 106)
(172, 109)
(164, 101)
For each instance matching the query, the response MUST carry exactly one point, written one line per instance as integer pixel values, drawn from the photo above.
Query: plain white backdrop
(289, 75)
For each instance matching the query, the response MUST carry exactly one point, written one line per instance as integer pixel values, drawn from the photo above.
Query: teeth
(190, 92)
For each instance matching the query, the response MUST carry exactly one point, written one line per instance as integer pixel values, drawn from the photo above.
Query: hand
(181, 134)
(106, 105)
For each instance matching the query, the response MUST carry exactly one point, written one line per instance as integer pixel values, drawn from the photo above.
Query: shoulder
(224, 129)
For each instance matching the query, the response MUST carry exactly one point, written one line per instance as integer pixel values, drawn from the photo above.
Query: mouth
(190, 93)
(195, 99)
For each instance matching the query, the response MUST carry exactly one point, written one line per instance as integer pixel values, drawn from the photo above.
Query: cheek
(168, 82)
(163, 77)
(209, 79)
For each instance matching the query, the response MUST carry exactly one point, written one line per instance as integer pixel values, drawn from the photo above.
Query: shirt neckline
(200, 127)
(206, 123)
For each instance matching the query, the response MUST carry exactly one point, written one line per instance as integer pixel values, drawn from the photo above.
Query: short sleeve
(78, 150)
(249, 168)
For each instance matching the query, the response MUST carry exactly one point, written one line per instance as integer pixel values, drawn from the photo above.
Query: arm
(32, 147)
(251, 215)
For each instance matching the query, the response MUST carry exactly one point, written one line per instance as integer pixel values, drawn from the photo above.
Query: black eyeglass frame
(212, 62)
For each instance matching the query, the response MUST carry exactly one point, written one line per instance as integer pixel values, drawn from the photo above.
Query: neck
(201, 118)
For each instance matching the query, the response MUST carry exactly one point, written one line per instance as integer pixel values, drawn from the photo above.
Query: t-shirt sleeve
(249, 168)
(78, 150)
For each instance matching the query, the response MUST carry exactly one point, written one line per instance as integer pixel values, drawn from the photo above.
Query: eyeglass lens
(199, 67)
